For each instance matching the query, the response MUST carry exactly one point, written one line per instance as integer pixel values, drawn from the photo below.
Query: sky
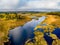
(29, 5)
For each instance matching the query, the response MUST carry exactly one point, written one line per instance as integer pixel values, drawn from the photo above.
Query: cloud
(41, 4)
(8, 4)
(29, 4)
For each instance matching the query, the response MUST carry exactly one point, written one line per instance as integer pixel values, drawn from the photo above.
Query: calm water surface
(19, 35)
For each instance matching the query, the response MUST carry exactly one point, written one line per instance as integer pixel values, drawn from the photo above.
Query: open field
(9, 21)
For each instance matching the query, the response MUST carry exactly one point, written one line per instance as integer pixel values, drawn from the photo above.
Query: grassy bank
(9, 21)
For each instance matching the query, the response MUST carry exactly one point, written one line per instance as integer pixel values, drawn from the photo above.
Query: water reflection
(20, 34)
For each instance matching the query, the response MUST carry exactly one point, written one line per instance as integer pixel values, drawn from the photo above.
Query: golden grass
(8, 24)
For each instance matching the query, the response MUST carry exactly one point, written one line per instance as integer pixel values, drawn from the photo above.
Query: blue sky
(29, 5)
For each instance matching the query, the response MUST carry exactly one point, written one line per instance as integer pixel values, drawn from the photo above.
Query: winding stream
(19, 35)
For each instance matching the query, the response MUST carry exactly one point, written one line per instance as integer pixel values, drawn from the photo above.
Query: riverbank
(8, 22)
